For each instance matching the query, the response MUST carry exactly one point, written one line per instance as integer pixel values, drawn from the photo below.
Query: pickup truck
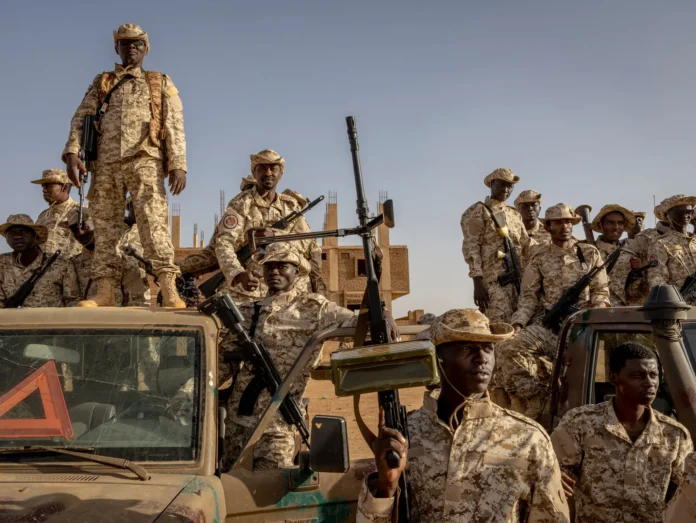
(93, 426)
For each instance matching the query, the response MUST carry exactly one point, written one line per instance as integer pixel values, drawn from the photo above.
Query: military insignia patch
(652, 258)
(230, 221)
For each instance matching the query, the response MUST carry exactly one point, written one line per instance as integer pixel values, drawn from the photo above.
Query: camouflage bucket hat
(53, 176)
(24, 220)
(465, 325)
(283, 252)
(628, 216)
(501, 174)
(672, 202)
(131, 32)
(73, 216)
(527, 197)
(267, 156)
(561, 211)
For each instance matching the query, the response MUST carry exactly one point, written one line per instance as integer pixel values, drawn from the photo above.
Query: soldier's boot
(104, 297)
(517, 404)
(170, 296)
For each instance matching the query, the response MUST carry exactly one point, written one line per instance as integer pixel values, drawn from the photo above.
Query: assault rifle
(266, 374)
(513, 273)
(637, 274)
(244, 253)
(88, 153)
(567, 304)
(395, 413)
(147, 264)
(22, 293)
(688, 289)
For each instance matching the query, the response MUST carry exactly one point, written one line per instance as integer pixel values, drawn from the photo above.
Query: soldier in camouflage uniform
(258, 206)
(483, 245)
(56, 288)
(682, 508)
(622, 456)
(528, 203)
(469, 460)
(133, 289)
(286, 320)
(638, 227)
(525, 362)
(676, 248)
(141, 140)
(56, 186)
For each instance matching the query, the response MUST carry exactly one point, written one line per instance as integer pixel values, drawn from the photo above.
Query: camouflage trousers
(275, 448)
(524, 364)
(143, 178)
(502, 302)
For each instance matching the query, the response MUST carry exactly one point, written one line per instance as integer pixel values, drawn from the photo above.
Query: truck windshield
(130, 394)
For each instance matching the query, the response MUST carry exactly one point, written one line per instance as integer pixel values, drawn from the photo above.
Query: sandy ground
(323, 400)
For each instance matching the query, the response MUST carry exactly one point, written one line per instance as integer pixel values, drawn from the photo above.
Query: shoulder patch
(230, 221)
(171, 91)
(527, 421)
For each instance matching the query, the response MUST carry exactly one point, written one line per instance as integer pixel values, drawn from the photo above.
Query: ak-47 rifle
(209, 286)
(637, 274)
(395, 413)
(88, 153)
(688, 289)
(22, 293)
(147, 264)
(567, 304)
(266, 374)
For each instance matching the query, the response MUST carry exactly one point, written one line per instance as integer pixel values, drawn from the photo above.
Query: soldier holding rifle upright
(469, 459)
(140, 127)
(55, 187)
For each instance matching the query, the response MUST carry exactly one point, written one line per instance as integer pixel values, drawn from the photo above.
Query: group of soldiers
(476, 453)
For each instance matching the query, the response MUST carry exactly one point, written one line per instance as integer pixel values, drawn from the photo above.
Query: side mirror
(329, 445)
(388, 212)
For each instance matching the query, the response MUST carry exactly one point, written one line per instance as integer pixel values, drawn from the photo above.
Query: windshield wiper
(104, 460)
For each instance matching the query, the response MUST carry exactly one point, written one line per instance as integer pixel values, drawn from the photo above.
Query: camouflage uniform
(538, 233)
(249, 210)
(482, 243)
(495, 462)
(636, 247)
(682, 507)
(56, 288)
(131, 149)
(285, 323)
(54, 218)
(619, 480)
(525, 362)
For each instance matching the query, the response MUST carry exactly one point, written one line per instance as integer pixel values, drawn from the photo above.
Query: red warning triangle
(57, 420)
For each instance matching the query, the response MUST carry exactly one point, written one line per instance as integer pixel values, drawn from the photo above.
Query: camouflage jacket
(551, 271)
(619, 480)
(248, 210)
(55, 219)
(57, 287)
(676, 253)
(125, 126)
(482, 242)
(605, 249)
(497, 466)
(539, 233)
(682, 507)
(285, 323)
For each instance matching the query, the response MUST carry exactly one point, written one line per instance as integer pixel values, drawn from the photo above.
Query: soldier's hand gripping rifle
(22, 293)
(567, 304)
(637, 274)
(88, 153)
(513, 272)
(244, 253)
(266, 374)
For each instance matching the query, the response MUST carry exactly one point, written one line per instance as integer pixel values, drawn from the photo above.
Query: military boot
(104, 296)
(170, 296)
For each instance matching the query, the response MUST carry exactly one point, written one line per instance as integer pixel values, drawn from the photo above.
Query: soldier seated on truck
(469, 459)
(622, 458)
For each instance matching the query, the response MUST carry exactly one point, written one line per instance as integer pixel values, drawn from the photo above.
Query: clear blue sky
(589, 102)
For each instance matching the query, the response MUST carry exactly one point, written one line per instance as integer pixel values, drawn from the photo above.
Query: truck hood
(72, 498)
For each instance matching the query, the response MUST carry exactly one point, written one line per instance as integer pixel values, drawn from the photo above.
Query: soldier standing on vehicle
(526, 361)
(283, 321)
(56, 288)
(258, 207)
(55, 187)
(141, 140)
(484, 245)
(469, 460)
(528, 203)
(622, 458)
(133, 289)
(638, 227)
(676, 248)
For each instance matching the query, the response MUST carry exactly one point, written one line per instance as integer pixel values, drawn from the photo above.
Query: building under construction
(343, 266)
